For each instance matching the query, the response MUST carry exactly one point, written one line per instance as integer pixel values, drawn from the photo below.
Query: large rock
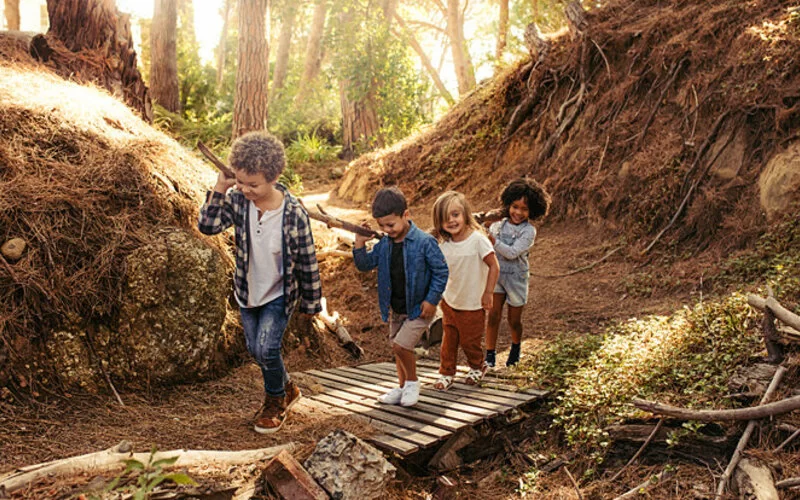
(348, 468)
(779, 183)
(173, 312)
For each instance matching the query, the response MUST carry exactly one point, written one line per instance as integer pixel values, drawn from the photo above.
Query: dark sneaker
(513, 355)
(272, 416)
(490, 359)
(293, 395)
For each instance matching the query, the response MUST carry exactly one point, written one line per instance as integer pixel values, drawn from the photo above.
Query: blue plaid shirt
(300, 268)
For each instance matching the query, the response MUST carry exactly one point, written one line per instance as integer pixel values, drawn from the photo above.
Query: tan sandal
(445, 382)
(474, 376)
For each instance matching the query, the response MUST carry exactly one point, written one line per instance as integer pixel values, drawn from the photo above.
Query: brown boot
(293, 394)
(272, 417)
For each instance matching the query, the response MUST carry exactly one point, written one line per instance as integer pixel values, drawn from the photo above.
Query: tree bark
(284, 44)
(92, 42)
(223, 42)
(12, 14)
(360, 122)
(313, 58)
(465, 72)
(250, 107)
(164, 55)
(502, 34)
(423, 57)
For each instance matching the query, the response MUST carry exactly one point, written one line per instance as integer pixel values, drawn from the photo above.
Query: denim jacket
(512, 242)
(426, 270)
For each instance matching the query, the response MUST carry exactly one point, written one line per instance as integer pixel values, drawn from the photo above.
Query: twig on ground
(665, 474)
(641, 449)
(787, 441)
(788, 483)
(574, 483)
(580, 269)
(768, 410)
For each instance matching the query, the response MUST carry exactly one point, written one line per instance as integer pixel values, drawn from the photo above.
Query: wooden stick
(665, 474)
(788, 483)
(787, 440)
(582, 268)
(777, 309)
(751, 425)
(210, 156)
(641, 449)
(334, 324)
(574, 483)
(114, 457)
(767, 410)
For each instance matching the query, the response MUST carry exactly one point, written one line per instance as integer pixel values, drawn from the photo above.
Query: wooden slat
(508, 398)
(447, 399)
(362, 396)
(373, 410)
(393, 444)
(513, 394)
(373, 391)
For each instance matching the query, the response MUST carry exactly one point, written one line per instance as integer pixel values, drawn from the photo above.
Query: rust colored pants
(465, 329)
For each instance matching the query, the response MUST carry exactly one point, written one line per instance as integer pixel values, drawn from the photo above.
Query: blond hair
(441, 210)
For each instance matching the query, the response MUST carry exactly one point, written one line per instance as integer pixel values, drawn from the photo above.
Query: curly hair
(537, 199)
(258, 152)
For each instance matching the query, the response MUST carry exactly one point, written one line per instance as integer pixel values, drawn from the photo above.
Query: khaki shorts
(406, 333)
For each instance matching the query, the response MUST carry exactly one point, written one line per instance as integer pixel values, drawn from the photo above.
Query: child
(275, 261)
(411, 278)
(473, 274)
(513, 236)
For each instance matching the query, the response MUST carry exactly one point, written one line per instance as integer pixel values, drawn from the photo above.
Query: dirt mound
(657, 109)
(107, 208)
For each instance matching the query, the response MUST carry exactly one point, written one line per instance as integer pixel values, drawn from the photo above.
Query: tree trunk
(250, 107)
(426, 62)
(12, 14)
(313, 48)
(223, 41)
(360, 124)
(164, 55)
(284, 44)
(502, 34)
(465, 72)
(103, 38)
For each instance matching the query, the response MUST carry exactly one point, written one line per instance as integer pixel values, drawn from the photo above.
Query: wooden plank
(513, 394)
(508, 398)
(362, 396)
(372, 391)
(447, 399)
(373, 410)
(392, 442)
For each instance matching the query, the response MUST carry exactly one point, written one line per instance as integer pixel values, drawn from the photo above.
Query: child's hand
(428, 310)
(486, 300)
(224, 183)
(361, 241)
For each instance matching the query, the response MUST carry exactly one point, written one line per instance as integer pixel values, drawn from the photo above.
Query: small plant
(145, 477)
(311, 148)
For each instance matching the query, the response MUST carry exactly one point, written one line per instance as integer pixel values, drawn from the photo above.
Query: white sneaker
(410, 394)
(392, 397)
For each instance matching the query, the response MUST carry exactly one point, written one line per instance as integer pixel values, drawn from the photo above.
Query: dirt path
(216, 414)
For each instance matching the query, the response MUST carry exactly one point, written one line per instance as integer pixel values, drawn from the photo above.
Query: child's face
(395, 226)
(518, 211)
(254, 187)
(455, 222)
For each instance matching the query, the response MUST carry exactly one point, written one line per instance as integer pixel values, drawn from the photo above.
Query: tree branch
(767, 410)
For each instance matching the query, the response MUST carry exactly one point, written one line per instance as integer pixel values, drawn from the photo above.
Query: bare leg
(514, 323)
(493, 325)
(406, 364)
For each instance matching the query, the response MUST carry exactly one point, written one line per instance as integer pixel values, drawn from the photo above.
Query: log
(777, 309)
(446, 458)
(290, 481)
(115, 457)
(777, 408)
(751, 425)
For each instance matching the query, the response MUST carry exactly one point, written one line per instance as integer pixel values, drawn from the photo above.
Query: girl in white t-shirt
(468, 296)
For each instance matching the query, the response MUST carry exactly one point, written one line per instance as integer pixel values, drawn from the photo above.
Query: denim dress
(512, 243)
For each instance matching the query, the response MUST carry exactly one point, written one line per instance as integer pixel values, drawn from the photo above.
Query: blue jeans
(263, 333)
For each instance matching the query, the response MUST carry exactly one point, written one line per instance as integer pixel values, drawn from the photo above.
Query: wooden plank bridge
(437, 415)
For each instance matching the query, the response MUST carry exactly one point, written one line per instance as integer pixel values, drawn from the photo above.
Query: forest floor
(217, 414)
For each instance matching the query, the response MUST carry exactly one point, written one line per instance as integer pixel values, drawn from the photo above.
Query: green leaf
(181, 478)
(165, 461)
(132, 464)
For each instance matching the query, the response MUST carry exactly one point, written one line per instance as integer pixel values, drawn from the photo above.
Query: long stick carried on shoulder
(320, 215)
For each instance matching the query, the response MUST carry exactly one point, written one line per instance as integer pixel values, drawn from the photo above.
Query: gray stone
(348, 468)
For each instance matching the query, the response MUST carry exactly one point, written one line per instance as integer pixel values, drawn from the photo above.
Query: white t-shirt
(468, 271)
(265, 270)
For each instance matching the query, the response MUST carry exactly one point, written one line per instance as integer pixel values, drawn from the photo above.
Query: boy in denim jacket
(276, 264)
(412, 275)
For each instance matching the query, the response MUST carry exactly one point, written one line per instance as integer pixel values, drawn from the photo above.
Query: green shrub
(309, 148)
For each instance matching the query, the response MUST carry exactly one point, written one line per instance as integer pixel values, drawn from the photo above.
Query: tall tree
(164, 55)
(502, 33)
(95, 26)
(12, 14)
(250, 107)
(313, 57)
(465, 71)
(284, 45)
(223, 39)
(406, 34)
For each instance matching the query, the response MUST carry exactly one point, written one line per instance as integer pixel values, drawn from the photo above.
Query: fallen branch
(777, 309)
(334, 324)
(115, 457)
(653, 481)
(580, 269)
(788, 483)
(751, 425)
(767, 410)
(641, 449)
(574, 483)
(787, 441)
